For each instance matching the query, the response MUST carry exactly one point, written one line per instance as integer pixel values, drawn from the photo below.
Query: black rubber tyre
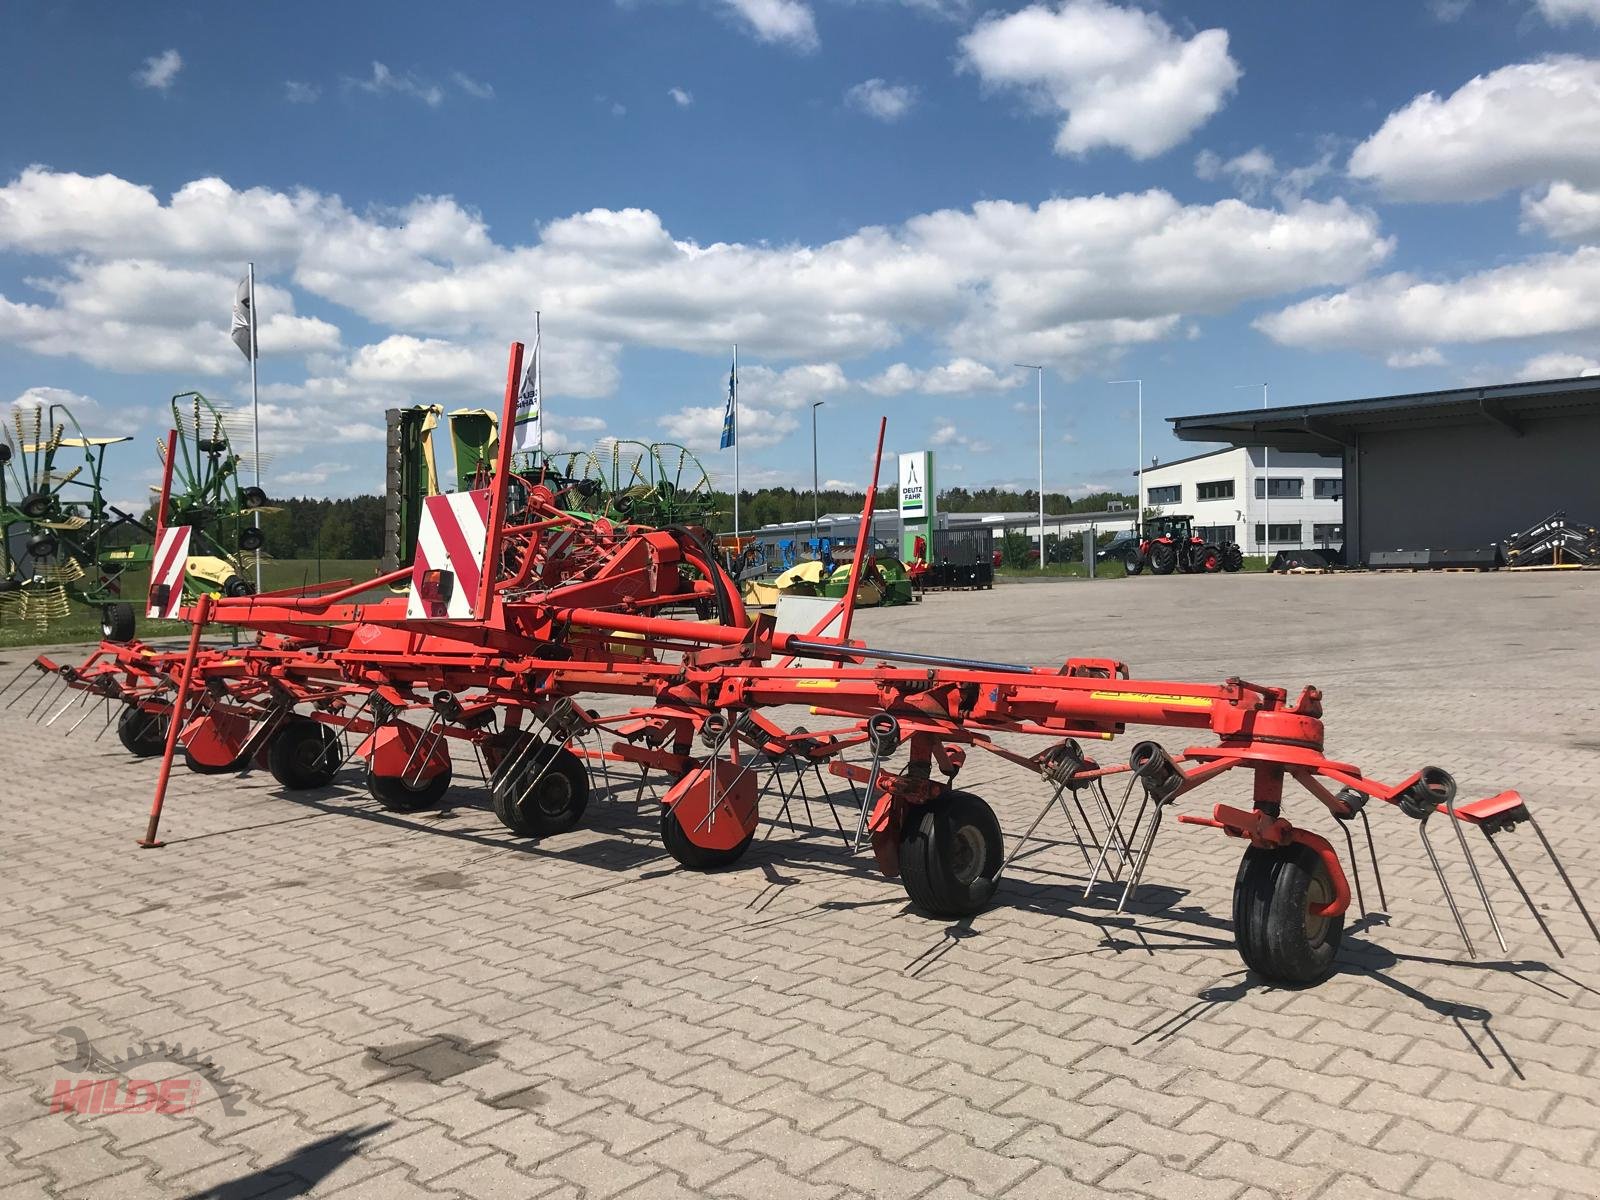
(43, 546)
(698, 858)
(142, 734)
(950, 855)
(1232, 558)
(1278, 937)
(1210, 559)
(1134, 563)
(35, 506)
(200, 768)
(235, 586)
(116, 622)
(252, 497)
(556, 803)
(1163, 558)
(395, 795)
(251, 538)
(303, 754)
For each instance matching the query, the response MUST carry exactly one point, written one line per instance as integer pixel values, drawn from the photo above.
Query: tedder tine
(1022, 841)
(1522, 891)
(12, 682)
(43, 674)
(1372, 851)
(47, 697)
(1477, 879)
(1162, 781)
(71, 700)
(88, 711)
(883, 734)
(1355, 874)
(1565, 878)
(1444, 885)
(1114, 823)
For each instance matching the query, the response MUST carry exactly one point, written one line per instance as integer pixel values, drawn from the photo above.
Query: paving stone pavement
(365, 1004)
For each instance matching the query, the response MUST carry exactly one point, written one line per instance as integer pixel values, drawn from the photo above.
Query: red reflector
(436, 586)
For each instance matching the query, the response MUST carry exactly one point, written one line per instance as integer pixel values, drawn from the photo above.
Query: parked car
(1116, 550)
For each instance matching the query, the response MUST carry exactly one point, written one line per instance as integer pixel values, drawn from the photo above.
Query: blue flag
(729, 422)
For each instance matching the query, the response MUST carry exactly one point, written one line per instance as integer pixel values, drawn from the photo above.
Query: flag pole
(255, 412)
(538, 375)
(736, 448)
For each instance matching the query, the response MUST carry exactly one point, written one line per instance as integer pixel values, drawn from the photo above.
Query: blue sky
(886, 202)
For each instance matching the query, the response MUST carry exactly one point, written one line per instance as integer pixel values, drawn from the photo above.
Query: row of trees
(353, 527)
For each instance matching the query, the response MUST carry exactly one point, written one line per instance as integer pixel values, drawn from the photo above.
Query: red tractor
(1170, 544)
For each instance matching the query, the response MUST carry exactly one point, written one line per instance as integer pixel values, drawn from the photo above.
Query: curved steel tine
(866, 800)
(1444, 885)
(1372, 852)
(1115, 825)
(1144, 854)
(12, 682)
(49, 694)
(35, 683)
(88, 711)
(1523, 892)
(1016, 848)
(1565, 878)
(1472, 866)
(1355, 875)
(77, 698)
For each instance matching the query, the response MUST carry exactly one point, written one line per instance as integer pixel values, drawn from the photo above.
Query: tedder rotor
(518, 610)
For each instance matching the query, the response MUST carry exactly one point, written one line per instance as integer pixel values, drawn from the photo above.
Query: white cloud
(959, 376)
(886, 102)
(1542, 296)
(383, 80)
(783, 22)
(1565, 12)
(699, 427)
(947, 435)
(475, 88)
(1564, 211)
(1428, 356)
(1067, 282)
(1559, 366)
(1447, 11)
(794, 387)
(680, 97)
(159, 70)
(1515, 127)
(298, 92)
(1121, 76)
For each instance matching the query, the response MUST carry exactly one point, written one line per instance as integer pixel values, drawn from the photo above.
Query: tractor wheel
(555, 804)
(303, 754)
(116, 622)
(950, 855)
(397, 795)
(142, 734)
(1278, 935)
(698, 858)
(1210, 559)
(1163, 558)
(1232, 558)
(1134, 563)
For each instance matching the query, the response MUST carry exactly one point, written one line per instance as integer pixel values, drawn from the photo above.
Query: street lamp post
(1266, 485)
(816, 527)
(1138, 518)
(1040, 370)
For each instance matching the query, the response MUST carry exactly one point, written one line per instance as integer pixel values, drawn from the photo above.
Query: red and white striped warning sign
(452, 538)
(166, 570)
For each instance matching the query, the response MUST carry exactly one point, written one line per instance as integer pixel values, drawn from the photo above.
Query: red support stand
(175, 723)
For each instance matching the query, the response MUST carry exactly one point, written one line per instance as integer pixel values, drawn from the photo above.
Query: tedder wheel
(141, 733)
(1278, 935)
(554, 804)
(950, 855)
(236, 586)
(252, 497)
(251, 538)
(1134, 563)
(1232, 557)
(1163, 558)
(397, 795)
(303, 754)
(116, 622)
(698, 858)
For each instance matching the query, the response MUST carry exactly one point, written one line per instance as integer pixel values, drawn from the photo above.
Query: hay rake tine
(1444, 886)
(1116, 824)
(43, 674)
(111, 715)
(57, 682)
(12, 682)
(1355, 874)
(1113, 827)
(1522, 891)
(344, 748)
(1372, 851)
(77, 698)
(88, 711)
(1023, 840)
(1144, 851)
(423, 739)
(1565, 878)
(1477, 879)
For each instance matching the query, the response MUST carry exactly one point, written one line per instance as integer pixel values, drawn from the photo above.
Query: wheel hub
(966, 858)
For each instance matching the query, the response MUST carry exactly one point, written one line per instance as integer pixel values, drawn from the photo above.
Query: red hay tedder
(516, 608)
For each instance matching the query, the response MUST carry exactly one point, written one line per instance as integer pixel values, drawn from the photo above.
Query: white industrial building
(1235, 495)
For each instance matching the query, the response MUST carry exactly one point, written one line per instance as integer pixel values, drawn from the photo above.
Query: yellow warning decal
(1152, 698)
(816, 683)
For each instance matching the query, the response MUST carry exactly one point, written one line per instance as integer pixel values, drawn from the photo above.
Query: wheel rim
(555, 794)
(967, 855)
(310, 754)
(1318, 894)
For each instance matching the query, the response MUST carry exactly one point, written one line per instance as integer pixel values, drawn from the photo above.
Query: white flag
(243, 319)
(525, 436)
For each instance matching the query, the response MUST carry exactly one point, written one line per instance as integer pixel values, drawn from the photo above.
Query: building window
(1171, 494)
(1327, 489)
(1221, 489)
(1217, 535)
(1326, 535)
(1282, 535)
(1283, 488)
